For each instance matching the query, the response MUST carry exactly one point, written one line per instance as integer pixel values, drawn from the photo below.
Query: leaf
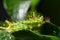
(5, 35)
(17, 8)
(30, 35)
(34, 3)
(11, 5)
(49, 29)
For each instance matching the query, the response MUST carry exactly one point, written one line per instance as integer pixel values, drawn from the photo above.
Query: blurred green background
(48, 31)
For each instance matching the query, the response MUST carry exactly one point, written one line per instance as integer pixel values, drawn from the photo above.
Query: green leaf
(16, 8)
(49, 29)
(11, 5)
(34, 2)
(30, 35)
(5, 35)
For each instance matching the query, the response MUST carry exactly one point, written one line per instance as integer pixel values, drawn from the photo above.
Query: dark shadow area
(51, 9)
(3, 13)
